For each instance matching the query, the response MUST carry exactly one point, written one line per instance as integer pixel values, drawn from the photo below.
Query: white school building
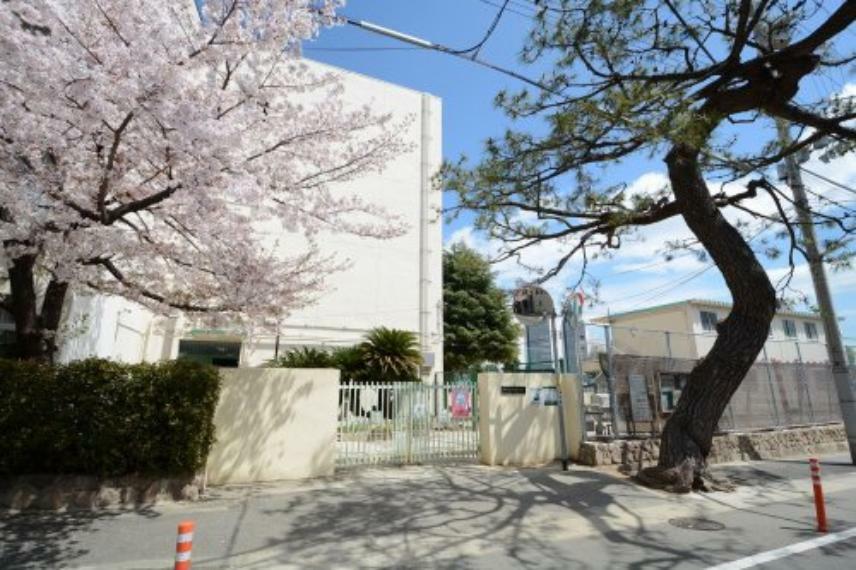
(395, 283)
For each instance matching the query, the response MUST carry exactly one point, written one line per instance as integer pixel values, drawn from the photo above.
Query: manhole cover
(696, 523)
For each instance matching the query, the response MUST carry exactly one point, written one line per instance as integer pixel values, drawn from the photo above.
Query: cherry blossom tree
(182, 160)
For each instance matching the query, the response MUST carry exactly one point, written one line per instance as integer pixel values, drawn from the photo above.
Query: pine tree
(477, 321)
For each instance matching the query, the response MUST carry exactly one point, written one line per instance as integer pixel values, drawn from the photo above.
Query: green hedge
(104, 418)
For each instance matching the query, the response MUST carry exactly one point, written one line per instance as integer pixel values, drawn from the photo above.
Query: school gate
(405, 423)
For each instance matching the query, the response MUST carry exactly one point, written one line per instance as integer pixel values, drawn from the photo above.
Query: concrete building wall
(104, 327)
(395, 283)
(779, 346)
(642, 334)
(274, 424)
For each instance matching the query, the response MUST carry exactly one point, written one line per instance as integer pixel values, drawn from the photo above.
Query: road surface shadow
(45, 539)
(466, 517)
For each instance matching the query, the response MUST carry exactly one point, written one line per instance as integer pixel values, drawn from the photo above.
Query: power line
(429, 45)
(828, 200)
(644, 267)
(828, 180)
(476, 48)
(530, 15)
(360, 48)
(658, 291)
(683, 280)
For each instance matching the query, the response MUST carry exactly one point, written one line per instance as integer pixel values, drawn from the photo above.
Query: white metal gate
(406, 422)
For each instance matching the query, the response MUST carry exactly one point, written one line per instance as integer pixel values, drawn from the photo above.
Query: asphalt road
(467, 517)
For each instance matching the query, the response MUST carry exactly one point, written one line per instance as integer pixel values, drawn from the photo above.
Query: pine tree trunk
(688, 433)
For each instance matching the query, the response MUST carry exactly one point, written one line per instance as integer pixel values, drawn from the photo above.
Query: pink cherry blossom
(151, 153)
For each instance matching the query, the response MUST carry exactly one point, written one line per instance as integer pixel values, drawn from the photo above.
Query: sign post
(532, 304)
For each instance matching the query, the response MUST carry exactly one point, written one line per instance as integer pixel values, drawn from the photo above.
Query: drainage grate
(692, 523)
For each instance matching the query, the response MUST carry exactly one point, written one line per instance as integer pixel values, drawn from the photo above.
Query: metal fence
(406, 423)
(634, 377)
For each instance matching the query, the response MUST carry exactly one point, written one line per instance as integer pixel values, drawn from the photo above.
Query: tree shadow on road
(468, 517)
(43, 539)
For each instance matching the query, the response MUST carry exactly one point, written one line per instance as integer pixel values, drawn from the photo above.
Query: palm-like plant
(391, 355)
(349, 360)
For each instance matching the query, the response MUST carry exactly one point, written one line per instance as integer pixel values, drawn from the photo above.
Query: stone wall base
(785, 442)
(64, 492)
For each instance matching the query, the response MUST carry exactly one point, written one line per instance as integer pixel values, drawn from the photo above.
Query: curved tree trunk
(688, 433)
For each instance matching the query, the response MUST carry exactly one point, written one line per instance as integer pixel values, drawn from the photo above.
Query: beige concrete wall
(641, 334)
(514, 432)
(274, 424)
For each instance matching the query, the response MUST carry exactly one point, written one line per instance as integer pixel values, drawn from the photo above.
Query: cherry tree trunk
(35, 331)
(28, 336)
(688, 433)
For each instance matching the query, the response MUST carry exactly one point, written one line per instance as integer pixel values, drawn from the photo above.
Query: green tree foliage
(478, 325)
(391, 355)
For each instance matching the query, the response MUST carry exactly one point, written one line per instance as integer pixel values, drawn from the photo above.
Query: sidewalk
(453, 517)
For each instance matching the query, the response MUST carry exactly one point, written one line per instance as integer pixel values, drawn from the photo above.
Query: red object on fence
(819, 505)
(183, 545)
(461, 402)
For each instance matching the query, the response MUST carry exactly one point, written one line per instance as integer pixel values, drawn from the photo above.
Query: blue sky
(636, 276)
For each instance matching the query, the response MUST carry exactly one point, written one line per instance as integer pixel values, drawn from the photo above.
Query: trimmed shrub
(104, 418)
(304, 357)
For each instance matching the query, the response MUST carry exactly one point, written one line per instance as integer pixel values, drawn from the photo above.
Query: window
(671, 386)
(790, 328)
(224, 354)
(708, 321)
(811, 331)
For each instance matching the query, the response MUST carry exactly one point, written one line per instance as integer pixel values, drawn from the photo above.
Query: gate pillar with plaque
(519, 417)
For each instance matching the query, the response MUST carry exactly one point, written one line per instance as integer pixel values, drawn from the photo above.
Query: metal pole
(579, 358)
(554, 343)
(562, 439)
(669, 344)
(528, 351)
(409, 423)
(561, 410)
(610, 381)
(844, 384)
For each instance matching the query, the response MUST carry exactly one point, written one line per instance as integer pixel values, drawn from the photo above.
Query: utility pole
(844, 384)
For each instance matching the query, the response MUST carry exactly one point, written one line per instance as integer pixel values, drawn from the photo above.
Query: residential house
(687, 329)
(655, 348)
